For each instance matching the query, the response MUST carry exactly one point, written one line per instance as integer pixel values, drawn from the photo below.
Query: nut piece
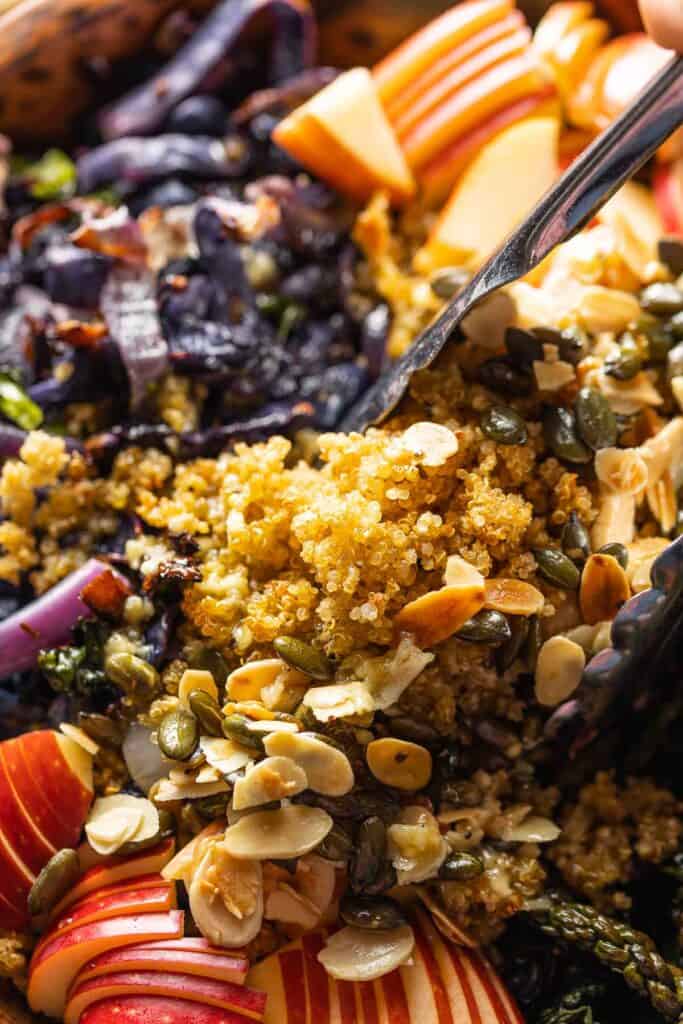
(559, 668)
(358, 954)
(604, 588)
(247, 681)
(621, 470)
(80, 737)
(196, 679)
(399, 763)
(328, 769)
(440, 613)
(288, 832)
(225, 756)
(274, 778)
(513, 597)
(226, 897)
(459, 572)
(641, 555)
(616, 519)
(433, 443)
(341, 700)
(416, 846)
(533, 829)
(114, 820)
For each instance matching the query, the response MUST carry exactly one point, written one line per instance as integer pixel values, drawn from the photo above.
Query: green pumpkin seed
(305, 657)
(59, 875)
(573, 345)
(616, 550)
(561, 435)
(371, 843)
(385, 880)
(670, 252)
(212, 807)
(372, 914)
(657, 337)
(504, 425)
(178, 735)
(486, 627)
(211, 661)
(675, 326)
(449, 281)
(414, 730)
(165, 830)
(337, 845)
(102, 729)
(511, 649)
(576, 542)
(131, 673)
(627, 361)
(662, 299)
(236, 727)
(557, 568)
(533, 643)
(502, 376)
(207, 712)
(595, 421)
(461, 867)
(523, 346)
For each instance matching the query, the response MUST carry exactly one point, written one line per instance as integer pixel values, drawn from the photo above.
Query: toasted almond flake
(534, 307)
(389, 675)
(274, 778)
(290, 907)
(357, 954)
(459, 572)
(113, 820)
(677, 390)
(225, 756)
(662, 502)
(207, 774)
(641, 555)
(226, 897)
(340, 700)
(80, 737)
(252, 709)
(664, 452)
(328, 769)
(167, 791)
(533, 829)
(513, 597)
(616, 522)
(399, 763)
(440, 613)
(272, 725)
(629, 396)
(181, 867)
(416, 846)
(196, 679)
(559, 668)
(289, 832)
(485, 325)
(622, 470)
(247, 681)
(604, 588)
(432, 443)
(316, 879)
(607, 309)
(552, 376)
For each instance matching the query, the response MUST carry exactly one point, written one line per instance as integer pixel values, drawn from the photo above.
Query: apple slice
(206, 991)
(15, 878)
(484, 208)
(404, 64)
(668, 192)
(210, 963)
(343, 135)
(156, 1009)
(12, 918)
(28, 841)
(115, 902)
(113, 870)
(573, 54)
(496, 88)
(62, 769)
(56, 963)
(558, 20)
(33, 800)
(510, 45)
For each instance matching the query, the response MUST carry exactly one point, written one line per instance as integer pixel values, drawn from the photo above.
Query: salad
(299, 724)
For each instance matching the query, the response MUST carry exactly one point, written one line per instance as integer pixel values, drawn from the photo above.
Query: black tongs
(569, 205)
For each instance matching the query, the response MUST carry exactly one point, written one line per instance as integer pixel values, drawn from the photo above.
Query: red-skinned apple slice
(206, 991)
(558, 20)
(451, 60)
(105, 904)
(114, 870)
(668, 191)
(11, 917)
(28, 841)
(58, 961)
(509, 46)
(155, 1009)
(15, 878)
(150, 957)
(63, 770)
(34, 801)
(408, 61)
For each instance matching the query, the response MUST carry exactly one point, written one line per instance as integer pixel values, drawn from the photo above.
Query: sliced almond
(247, 681)
(551, 376)
(167, 791)
(486, 323)
(616, 522)
(288, 832)
(225, 756)
(226, 898)
(113, 820)
(416, 846)
(207, 774)
(274, 778)
(533, 829)
(607, 309)
(80, 737)
(290, 907)
(559, 668)
(513, 597)
(432, 443)
(340, 700)
(629, 396)
(458, 571)
(663, 502)
(389, 675)
(622, 470)
(357, 954)
(328, 769)
(181, 867)
(196, 679)
(316, 878)
(641, 555)
(665, 451)
(604, 588)
(440, 613)
(267, 726)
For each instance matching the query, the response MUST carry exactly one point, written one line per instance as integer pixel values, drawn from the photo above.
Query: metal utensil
(595, 176)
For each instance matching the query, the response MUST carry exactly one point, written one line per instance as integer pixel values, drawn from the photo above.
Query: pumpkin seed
(337, 844)
(500, 375)
(212, 807)
(448, 282)
(178, 735)
(305, 657)
(616, 550)
(595, 421)
(371, 844)
(662, 299)
(576, 542)
(523, 346)
(362, 912)
(604, 588)
(102, 728)
(165, 830)
(131, 673)
(58, 876)
(414, 730)
(355, 806)
(212, 661)
(504, 425)
(561, 435)
(670, 251)
(557, 568)
(627, 361)
(659, 339)
(675, 326)
(559, 669)
(205, 709)
(533, 642)
(486, 627)
(461, 867)
(399, 763)
(236, 727)
(573, 345)
(511, 649)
